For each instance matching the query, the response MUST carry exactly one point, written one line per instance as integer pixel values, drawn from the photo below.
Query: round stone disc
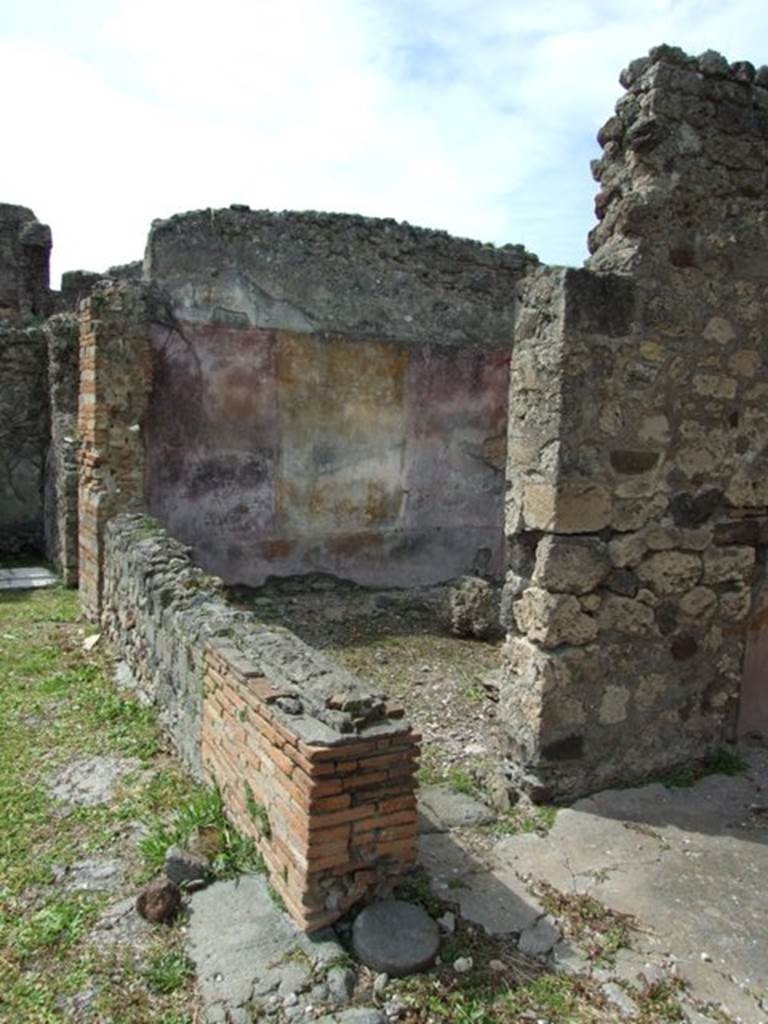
(395, 937)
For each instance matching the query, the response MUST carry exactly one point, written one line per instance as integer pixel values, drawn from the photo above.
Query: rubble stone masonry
(637, 506)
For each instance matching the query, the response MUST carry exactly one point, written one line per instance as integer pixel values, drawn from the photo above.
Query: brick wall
(334, 819)
(115, 377)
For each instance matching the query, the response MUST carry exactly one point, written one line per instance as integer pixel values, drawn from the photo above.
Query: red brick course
(335, 824)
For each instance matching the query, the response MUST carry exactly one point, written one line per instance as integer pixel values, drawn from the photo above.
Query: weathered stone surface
(396, 937)
(625, 615)
(677, 860)
(573, 566)
(670, 572)
(473, 607)
(447, 809)
(245, 950)
(698, 603)
(728, 564)
(24, 429)
(94, 875)
(628, 550)
(160, 901)
(497, 901)
(90, 780)
(25, 246)
(624, 1005)
(355, 1015)
(540, 938)
(577, 508)
(553, 619)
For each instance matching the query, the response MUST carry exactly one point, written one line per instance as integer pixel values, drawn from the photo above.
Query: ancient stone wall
(637, 445)
(329, 395)
(23, 436)
(318, 769)
(25, 246)
(61, 476)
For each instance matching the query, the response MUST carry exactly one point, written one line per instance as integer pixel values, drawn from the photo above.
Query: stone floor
(690, 865)
(26, 578)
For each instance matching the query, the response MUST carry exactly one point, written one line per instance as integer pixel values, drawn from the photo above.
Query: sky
(478, 118)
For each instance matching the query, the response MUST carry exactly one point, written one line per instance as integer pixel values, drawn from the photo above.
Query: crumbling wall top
(684, 171)
(336, 273)
(25, 246)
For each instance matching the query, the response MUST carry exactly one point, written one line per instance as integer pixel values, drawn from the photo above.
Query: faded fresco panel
(283, 453)
(212, 443)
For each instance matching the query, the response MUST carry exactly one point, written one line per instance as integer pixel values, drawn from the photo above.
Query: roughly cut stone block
(553, 619)
(473, 607)
(395, 937)
(571, 565)
(452, 810)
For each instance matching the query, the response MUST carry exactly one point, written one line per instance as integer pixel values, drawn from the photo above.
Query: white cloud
(475, 117)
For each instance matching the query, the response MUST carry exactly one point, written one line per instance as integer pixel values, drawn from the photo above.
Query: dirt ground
(399, 642)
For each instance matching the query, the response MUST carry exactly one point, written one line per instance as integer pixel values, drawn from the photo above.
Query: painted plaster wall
(276, 452)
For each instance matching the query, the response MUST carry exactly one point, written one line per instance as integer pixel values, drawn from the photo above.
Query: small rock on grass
(447, 923)
(540, 938)
(185, 868)
(159, 901)
(463, 964)
(341, 983)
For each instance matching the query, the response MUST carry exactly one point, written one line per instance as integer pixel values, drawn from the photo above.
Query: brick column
(115, 377)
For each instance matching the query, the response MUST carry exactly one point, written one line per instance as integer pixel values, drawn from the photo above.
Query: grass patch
(538, 819)
(168, 970)
(461, 781)
(59, 704)
(601, 932)
(415, 888)
(202, 822)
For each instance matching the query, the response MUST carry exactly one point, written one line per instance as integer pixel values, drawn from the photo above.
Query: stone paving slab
(250, 956)
(691, 865)
(27, 578)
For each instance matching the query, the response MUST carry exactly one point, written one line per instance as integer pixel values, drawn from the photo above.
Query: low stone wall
(317, 769)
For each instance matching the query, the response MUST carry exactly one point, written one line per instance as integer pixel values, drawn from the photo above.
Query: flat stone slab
(443, 809)
(689, 864)
(496, 901)
(27, 578)
(249, 954)
(121, 925)
(90, 780)
(94, 875)
(395, 937)
(355, 1015)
